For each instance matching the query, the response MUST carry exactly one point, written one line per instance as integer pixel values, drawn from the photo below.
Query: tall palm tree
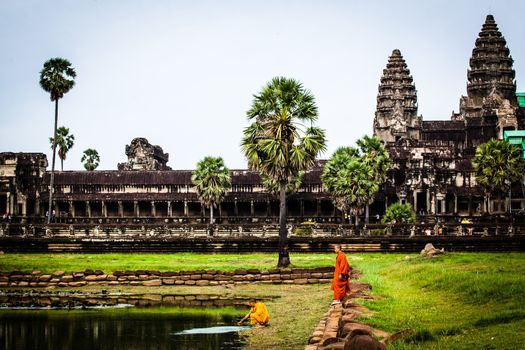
(56, 78)
(497, 164)
(212, 180)
(282, 140)
(375, 155)
(65, 142)
(91, 159)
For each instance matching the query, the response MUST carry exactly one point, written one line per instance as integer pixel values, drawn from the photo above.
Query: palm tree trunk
(52, 180)
(284, 257)
(61, 164)
(211, 214)
(367, 214)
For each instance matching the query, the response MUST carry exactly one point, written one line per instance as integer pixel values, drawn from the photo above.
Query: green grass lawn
(456, 301)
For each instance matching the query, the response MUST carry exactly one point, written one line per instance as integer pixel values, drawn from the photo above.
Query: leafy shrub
(398, 213)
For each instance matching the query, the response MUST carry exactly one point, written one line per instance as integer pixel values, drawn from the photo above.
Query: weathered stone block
(58, 273)
(168, 281)
(152, 283)
(300, 281)
(195, 277)
(179, 282)
(316, 275)
(240, 272)
(112, 278)
(313, 280)
(135, 283)
(206, 276)
(202, 283)
(190, 282)
(44, 278)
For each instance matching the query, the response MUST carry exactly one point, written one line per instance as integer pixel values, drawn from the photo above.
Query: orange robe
(259, 314)
(341, 286)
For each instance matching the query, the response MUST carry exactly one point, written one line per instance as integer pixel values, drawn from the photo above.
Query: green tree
(282, 140)
(350, 181)
(497, 164)
(375, 155)
(56, 78)
(398, 213)
(212, 180)
(91, 159)
(65, 142)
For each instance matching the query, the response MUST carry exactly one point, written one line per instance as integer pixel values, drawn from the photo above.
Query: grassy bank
(48, 263)
(456, 301)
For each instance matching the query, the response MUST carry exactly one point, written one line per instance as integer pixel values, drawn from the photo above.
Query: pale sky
(182, 73)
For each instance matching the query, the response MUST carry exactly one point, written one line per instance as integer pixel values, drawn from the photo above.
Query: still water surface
(128, 328)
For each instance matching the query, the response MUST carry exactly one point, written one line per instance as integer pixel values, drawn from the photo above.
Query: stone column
(153, 209)
(120, 209)
(252, 211)
(432, 209)
(104, 209)
(235, 208)
(455, 203)
(219, 209)
(170, 209)
(136, 208)
(88, 209)
(429, 207)
(185, 208)
(414, 196)
(71, 209)
(443, 205)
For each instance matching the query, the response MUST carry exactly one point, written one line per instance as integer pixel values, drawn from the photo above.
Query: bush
(398, 213)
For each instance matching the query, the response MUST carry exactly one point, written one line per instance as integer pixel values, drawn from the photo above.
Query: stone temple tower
(396, 112)
(490, 79)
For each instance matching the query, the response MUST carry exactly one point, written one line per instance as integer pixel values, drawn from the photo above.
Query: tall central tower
(491, 74)
(396, 112)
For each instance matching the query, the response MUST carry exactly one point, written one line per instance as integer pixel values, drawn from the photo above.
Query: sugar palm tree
(282, 140)
(65, 142)
(350, 181)
(375, 155)
(56, 78)
(91, 159)
(212, 180)
(497, 164)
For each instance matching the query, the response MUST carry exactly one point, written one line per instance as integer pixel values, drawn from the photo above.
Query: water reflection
(116, 329)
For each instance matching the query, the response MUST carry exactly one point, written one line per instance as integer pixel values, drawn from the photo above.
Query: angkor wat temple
(431, 162)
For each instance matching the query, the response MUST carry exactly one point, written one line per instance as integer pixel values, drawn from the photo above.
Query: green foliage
(91, 159)
(212, 180)
(65, 142)
(353, 175)
(497, 164)
(282, 141)
(57, 77)
(398, 213)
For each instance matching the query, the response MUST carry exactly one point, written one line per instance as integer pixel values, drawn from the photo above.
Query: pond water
(121, 328)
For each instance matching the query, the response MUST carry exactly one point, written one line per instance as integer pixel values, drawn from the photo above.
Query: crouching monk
(340, 283)
(258, 314)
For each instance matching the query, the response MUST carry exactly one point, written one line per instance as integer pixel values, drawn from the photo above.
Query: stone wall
(36, 279)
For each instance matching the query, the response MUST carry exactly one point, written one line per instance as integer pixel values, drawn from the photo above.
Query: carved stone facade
(432, 164)
(144, 156)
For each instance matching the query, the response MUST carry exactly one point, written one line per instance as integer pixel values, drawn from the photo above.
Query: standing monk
(340, 283)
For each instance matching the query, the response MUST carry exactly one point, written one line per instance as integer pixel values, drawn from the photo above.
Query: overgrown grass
(455, 301)
(48, 263)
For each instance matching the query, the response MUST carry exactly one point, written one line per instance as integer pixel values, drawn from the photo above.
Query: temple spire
(396, 112)
(491, 70)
